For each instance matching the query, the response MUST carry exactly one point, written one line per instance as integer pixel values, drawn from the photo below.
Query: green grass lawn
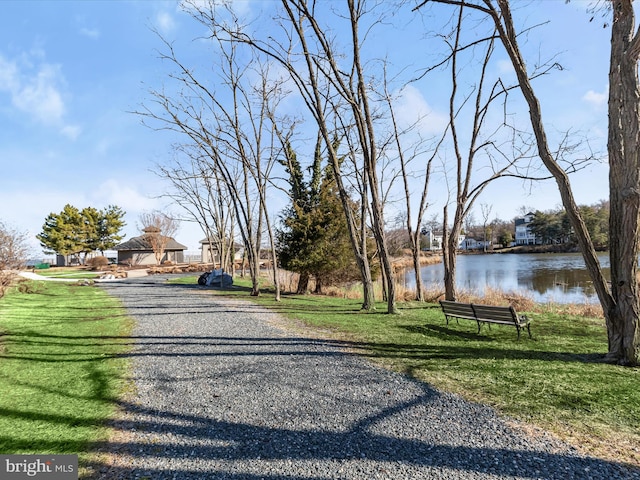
(60, 367)
(555, 380)
(61, 272)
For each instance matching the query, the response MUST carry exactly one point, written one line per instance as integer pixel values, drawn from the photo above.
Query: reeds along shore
(406, 261)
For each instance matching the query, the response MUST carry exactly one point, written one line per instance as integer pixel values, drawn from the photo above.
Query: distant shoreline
(541, 249)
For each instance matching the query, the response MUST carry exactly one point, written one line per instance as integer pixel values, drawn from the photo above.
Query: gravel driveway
(224, 393)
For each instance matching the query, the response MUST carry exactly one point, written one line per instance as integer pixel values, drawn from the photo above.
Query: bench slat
(457, 310)
(505, 314)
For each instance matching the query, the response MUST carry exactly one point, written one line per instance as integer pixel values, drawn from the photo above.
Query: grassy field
(555, 381)
(77, 273)
(61, 372)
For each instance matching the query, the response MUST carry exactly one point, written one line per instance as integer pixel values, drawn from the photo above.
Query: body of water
(547, 277)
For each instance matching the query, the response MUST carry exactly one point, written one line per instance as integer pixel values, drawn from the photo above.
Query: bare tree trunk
(417, 268)
(448, 260)
(360, 105)
(274, 255)
(624, 187)
(509, 39)
(362, 259)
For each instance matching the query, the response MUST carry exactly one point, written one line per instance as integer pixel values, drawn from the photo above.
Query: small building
(470, 243)
(210, 254)
(139, 251)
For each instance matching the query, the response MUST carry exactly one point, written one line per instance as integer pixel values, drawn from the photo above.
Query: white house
(473, 244)
(434, 240)
(524, 235)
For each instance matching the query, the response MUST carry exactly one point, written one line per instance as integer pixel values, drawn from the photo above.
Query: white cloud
(596, 99)
(114, 192)
(71, 131)
(39, 198)
(411, 107)
(36, 89)
(8, 75)
(35, 202)
(90, 32)
(165, 22)
(40, 96)
(505, 67)
(129, 197)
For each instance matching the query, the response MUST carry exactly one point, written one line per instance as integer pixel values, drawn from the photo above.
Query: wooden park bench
(485, 314)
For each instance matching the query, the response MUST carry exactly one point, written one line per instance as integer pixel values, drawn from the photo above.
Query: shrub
(97, 262)
(6, 279)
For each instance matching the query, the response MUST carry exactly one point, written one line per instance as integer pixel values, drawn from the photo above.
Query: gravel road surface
(223, 392)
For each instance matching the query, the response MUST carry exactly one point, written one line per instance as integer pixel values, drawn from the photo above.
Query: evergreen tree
(313, 240)
(110, 223)
(62, 233)
(78, 232)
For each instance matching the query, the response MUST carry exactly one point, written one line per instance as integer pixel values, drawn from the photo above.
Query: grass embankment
(60, 367)
(555, 381)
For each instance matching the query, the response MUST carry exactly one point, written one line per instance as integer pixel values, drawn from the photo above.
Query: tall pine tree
(313, 240)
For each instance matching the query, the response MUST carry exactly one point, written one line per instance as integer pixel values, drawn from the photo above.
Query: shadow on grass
(159, 443)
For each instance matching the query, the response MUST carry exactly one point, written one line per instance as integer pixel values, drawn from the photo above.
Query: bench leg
(518, 328)
(529, 330)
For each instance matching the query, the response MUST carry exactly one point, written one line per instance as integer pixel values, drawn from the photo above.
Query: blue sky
(71, 71)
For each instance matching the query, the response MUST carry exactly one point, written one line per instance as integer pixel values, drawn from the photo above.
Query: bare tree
(159, 228)
(312, 72)
(483, 152)
(326, 63)
(13, 254)
(485, 210)
(229, 134)
(199, 191)
(404, 158)
(620, 302)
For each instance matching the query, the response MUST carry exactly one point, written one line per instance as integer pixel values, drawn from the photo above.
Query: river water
(546, 277)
